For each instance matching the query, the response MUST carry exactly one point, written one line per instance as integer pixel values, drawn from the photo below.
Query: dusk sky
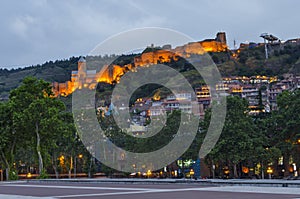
(36, 31)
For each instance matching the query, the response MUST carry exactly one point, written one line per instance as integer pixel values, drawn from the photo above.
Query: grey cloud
(35, 31)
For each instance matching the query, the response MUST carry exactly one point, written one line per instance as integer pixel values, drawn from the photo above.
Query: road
(32, 190)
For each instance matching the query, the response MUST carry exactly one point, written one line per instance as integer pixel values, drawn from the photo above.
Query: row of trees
(36, 129)
(248, 141)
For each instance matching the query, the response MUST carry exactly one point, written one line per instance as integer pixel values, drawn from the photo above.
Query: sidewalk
(216, 182)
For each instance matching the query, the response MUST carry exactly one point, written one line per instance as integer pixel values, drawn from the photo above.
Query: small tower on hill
(81, 68)
(221, 37)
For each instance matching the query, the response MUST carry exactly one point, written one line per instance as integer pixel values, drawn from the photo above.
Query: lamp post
(270, 171)
(192, 172)
(75, 163)
(213, 171)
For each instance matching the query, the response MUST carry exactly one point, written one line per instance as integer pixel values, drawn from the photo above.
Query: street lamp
(149, 173)
(270, 171)
(75, 161)
(28, 175)
(192, 172)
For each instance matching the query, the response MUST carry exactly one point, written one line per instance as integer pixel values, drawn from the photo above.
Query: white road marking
(4, 196)
(75, 187)
(252, 189)
(131, 192)
(104, 194)
(12, 182)
(233, 189)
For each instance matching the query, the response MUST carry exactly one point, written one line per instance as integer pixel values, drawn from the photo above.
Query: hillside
(282, 59)
(49, 71)
(249, 62)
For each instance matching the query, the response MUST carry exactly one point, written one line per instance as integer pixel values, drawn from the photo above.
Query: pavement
(218, 182)
(149, 188)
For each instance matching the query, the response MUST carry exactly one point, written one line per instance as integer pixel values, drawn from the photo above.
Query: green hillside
(283, 59)
(50, 71)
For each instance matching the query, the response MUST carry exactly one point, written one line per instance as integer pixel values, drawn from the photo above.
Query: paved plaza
(125, 190)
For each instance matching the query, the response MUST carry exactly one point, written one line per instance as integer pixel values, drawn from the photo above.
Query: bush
(43, 175)
(13, 175)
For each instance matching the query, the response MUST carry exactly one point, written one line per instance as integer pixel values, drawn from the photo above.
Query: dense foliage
(37, 130)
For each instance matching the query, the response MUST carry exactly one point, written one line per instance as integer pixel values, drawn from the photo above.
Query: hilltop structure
(83, 78)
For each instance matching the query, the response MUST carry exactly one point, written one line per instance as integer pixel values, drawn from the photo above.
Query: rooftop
(81, 59)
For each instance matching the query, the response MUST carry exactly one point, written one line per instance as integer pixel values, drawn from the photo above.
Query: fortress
(83, 78)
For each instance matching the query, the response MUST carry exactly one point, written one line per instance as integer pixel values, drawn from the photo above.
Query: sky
(36, 31)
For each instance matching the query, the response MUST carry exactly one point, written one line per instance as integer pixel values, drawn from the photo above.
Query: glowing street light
(29, 175)
(270, 172)
(149, 173)
(75, 161)
(192, 172)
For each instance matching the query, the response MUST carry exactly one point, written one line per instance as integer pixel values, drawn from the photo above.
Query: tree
(9, 138)
(266, 152)
(238, 139)
(286, 125)
(37, 115)
(65, 143)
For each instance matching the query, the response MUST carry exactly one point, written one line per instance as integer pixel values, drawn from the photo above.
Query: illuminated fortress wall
(83, 78)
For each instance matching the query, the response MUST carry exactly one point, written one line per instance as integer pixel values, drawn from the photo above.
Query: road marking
(103, 194)
(75, 187)
(12, 182)
(130, 192)
(233, 189)
(252, 189)
(4, 196)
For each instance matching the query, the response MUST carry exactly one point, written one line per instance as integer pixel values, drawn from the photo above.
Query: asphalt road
(144, 191)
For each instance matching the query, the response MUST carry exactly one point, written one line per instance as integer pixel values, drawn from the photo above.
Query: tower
(221, 37)
(81, 71)
(81, 68)
(234, 44)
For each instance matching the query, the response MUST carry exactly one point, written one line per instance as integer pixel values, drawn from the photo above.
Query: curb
(258, 183)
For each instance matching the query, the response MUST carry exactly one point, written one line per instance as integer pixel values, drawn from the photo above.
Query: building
(219, 44)
(111, 74)
(157, 109)
(203, 97)
(82, 78)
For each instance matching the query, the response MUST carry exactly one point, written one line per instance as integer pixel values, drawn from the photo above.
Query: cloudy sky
(36, 31)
